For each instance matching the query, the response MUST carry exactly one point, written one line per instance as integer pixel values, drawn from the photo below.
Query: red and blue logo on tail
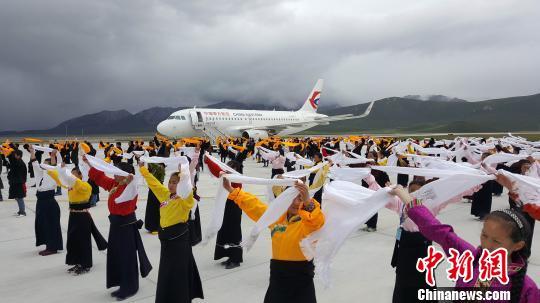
(314, 100)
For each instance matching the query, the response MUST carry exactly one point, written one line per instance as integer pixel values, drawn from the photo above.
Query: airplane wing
(344, 117)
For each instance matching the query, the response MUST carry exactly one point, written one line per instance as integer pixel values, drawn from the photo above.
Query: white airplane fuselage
(230, 122)
(214, 123)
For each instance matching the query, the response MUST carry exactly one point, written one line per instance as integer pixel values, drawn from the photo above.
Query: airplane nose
(161, 127)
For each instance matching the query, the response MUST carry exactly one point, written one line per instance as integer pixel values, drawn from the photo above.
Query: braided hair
(520, 230)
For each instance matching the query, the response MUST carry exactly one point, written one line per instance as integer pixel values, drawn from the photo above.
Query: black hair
(175, 175)
(234, 165)
(516, 234)
(18, 153)
(76, 169)
(418, 182)
(485, 155)
(128, 168)
(281, 152)
(516, 167)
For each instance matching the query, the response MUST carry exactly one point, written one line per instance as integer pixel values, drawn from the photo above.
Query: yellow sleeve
(54, 174)
(188, 202)
(160, 191)
(311, 221)
(277, 190)
(250, 204)
(322, 178)
(82, 188)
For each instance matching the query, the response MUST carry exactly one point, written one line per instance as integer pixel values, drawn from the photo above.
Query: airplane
(257, 124)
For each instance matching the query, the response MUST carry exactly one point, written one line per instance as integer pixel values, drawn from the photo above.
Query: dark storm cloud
(60, 59)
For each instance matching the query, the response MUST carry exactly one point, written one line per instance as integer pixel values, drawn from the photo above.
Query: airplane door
(196, 119)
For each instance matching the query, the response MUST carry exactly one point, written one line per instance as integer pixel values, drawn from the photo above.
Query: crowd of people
(308, 181)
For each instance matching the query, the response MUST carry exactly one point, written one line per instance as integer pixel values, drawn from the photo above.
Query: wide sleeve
(38, 172)
(270, 157)
(434, 230)
(319, 182)
(311, 221)
(160, 191)
(372, 183)
(193, 166)
(66, 178)
(530, 292)
(54, 175)
(82, 188)
(184, 187)
(250, 204)
(100, 179)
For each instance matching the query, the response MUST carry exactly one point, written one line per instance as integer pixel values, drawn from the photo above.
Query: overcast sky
(63, 58)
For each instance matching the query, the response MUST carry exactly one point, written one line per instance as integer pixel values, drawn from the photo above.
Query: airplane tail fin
(312, 101)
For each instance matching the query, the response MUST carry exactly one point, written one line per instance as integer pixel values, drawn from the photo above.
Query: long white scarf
(274, 211)
(360, 158)
(495, 159)
(299, 160)
(226, 168)
(127, 155)
(437, 194)
(426, 172)
(297, 174)
(392, 160)
(267, 154)
(84, 168)
(350, 174)
(435, 163)
(187, 150)
(131, 190)
(43, 148)
(346, 206)
(528, 188)
(140, 152)
(222, 194)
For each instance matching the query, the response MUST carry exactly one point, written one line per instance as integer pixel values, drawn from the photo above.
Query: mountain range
(412, 113)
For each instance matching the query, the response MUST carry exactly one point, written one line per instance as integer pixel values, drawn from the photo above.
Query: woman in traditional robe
(291, 275)
(81, 227)
(178, 277)
(151, 216)
(47, 222)
(229, 236)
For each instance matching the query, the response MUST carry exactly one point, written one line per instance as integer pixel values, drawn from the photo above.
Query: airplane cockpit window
(170, 118)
